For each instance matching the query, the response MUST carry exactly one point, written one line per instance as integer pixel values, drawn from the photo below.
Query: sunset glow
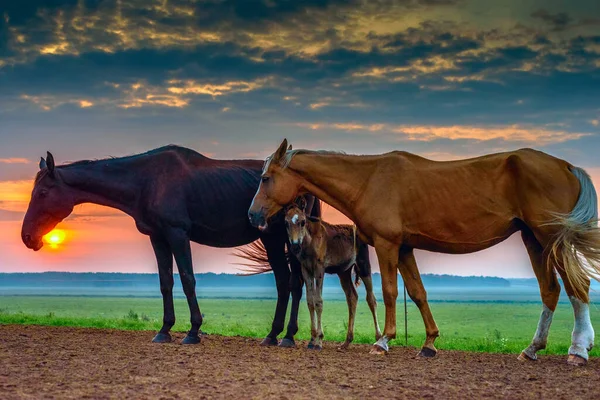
(55, 238)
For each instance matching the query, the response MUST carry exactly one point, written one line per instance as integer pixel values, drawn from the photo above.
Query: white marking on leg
(383, 343)
(582, 338)
(541, 334)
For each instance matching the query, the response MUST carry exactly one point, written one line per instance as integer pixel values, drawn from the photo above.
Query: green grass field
(488, 327)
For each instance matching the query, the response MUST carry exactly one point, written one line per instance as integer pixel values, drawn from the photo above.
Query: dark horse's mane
(170, 147)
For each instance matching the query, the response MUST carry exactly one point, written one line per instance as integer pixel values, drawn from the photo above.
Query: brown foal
(400, 202)
(334, 249)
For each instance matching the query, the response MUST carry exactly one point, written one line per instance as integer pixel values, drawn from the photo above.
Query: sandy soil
(47, 362)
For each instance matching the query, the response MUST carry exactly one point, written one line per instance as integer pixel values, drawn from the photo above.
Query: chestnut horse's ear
(50, 163)
(43, 163)
(278, 155)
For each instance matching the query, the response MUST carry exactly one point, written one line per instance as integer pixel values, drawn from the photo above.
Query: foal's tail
(256, 254)
(577, 245)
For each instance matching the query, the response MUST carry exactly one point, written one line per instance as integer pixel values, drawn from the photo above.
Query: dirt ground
(47, 362)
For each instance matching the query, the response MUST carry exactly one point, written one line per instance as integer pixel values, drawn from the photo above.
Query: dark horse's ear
(42, 163)
(50, 163)
(280, 151)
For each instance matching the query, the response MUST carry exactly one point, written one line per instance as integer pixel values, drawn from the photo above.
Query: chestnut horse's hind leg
(180, 245)
(164, 257)
(351, 299)
(582, 338)
(549, 290)
(416, 291)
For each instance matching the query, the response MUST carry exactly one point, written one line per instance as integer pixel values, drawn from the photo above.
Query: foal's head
(51, 202)
(278, 187)
(296, 226)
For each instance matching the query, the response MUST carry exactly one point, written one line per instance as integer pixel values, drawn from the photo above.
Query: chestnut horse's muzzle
(257, 219)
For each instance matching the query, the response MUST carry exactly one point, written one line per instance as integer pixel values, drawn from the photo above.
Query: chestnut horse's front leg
(164, 258)
(180, 245)
(387, 254)
(416, 291)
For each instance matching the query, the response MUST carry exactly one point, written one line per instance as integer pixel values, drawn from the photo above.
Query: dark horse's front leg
(164, 258)
(180, 246)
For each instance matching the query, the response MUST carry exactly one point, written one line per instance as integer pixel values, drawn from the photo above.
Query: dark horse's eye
(43, 193)
(265, 178)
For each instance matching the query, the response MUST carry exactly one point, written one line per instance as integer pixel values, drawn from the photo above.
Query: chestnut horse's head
(51, 202)
(278, 187)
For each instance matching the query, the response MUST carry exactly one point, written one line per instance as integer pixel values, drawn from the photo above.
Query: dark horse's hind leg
(164, 258)
(180, 245)
(275, 247)
(296, 284)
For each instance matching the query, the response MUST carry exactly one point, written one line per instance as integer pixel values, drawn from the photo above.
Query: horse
(324, 248)
(175, 195)
(400, 202)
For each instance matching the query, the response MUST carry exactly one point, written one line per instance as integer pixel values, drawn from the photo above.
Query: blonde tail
(577, 245)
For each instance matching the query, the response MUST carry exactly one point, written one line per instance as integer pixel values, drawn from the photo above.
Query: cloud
(558, 21)
(422, 133)
(14, 160)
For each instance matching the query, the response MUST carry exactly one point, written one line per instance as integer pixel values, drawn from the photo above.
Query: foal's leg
(164, 257)
(351, 299)
(310, 301)
(372, 302)
(180, 245)
(319, 276)
(416, 291)
(387, 254)
(549, 290)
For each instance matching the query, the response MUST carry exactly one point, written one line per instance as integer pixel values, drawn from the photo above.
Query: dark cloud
(558, 21)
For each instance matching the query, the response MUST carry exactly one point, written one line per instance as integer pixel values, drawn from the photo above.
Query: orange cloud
(14, 160)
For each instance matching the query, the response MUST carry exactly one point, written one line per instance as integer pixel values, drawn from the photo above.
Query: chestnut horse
(400, 202)
(175, 195)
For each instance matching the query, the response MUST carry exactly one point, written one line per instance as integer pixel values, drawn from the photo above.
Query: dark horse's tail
(256, 255)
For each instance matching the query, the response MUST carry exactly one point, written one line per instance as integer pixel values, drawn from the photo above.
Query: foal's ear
(289, 147)
(301, 202)
(280, 151)
(50, 162)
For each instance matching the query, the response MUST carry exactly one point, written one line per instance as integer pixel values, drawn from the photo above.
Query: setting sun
(55, 237)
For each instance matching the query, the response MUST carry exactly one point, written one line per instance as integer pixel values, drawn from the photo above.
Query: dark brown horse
(401, 202)
(174, 195)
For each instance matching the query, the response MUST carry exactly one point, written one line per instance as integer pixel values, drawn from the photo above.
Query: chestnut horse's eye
(265, 179)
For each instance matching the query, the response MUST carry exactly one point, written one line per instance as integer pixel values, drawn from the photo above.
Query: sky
(446, 79)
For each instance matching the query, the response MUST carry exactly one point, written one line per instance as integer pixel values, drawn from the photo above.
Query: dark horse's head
(51, 202)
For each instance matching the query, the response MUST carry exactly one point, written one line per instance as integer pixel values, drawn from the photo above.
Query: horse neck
(106, 183)
(336, 179)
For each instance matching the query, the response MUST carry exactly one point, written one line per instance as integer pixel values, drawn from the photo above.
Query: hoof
(285, 342)
(268, 341)
(525, 357)
(378, 350)
(576, 360)
(344, 346)
(427, 352)
(191, 339)
(317, 347)
(162, 338)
